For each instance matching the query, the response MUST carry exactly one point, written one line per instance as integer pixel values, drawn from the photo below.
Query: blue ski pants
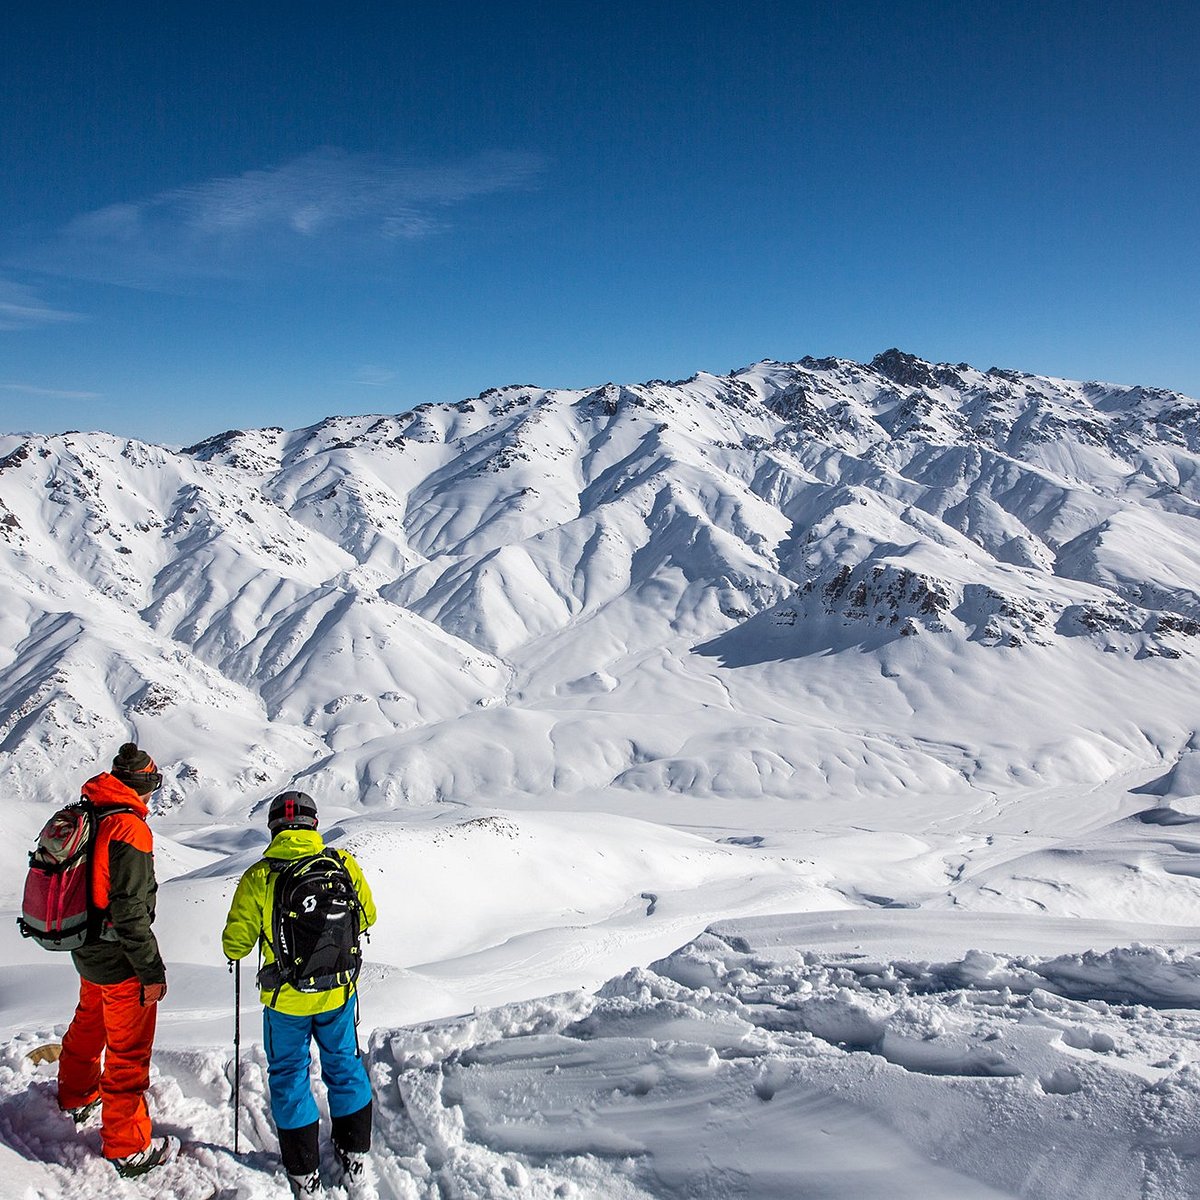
(288, 1041)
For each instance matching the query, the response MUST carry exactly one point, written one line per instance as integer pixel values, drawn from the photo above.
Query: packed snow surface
(777, 784)
(805, 1055)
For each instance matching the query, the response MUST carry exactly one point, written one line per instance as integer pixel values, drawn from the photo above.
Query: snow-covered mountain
(796, 582)
(885, 674)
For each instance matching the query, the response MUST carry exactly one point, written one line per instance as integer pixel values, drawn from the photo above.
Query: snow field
(744, 1064)
(479, 909)
(914, 1028)
(890, 664)
(936, 1018)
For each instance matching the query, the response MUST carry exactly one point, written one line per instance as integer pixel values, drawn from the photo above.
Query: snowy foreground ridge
(742, 1065)
(777, 784)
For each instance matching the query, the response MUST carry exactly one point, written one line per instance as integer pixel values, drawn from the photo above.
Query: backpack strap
(275, 866)
(358, 916)
(359, 911)
(110, 810)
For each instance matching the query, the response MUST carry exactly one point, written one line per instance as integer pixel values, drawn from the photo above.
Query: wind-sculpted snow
(744, 1064)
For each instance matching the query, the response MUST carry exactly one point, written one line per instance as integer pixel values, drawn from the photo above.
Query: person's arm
(243, 926)
(131, 891)
(363, 888)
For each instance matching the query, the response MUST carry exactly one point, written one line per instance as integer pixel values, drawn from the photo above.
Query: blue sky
(217, 215)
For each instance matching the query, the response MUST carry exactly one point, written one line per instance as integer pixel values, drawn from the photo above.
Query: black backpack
(316, 925)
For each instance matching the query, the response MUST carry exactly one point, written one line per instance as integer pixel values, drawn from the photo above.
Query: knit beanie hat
(292, 810)
(136, 769)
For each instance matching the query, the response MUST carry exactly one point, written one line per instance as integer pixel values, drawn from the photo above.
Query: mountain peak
(440, 601)
(910, 371)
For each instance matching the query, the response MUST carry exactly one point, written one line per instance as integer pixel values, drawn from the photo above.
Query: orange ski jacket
(124, 886)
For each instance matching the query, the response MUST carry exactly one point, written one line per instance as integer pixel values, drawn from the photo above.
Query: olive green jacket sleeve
(125, 889)
(132, 889)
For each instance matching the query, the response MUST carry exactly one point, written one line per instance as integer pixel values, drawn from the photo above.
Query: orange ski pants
(110, 1022)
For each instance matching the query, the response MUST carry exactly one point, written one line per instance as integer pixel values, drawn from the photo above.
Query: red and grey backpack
(58, 911)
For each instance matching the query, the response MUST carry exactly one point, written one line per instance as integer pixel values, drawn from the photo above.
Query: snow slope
(883, 673)
(774, 1057)
(803, 568)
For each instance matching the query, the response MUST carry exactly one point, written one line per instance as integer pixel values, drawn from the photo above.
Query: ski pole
(236, 968)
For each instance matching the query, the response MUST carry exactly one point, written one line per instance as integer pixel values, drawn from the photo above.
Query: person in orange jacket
(121, 975)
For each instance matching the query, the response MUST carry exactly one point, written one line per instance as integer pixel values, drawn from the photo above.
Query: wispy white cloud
(322, 205)
(45, 393)
(373, 376)
(22, 308)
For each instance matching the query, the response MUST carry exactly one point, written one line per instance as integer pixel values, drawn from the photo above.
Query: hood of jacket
(106, 790)
(295, 843)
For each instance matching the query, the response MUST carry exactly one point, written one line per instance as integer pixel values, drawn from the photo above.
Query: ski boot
(305, 1187)
(84, 1113)
(160, 1152)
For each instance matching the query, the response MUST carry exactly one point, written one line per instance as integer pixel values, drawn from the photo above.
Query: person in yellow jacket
(292, 1018)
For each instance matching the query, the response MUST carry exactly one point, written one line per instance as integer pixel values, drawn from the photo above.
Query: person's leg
(129, 1031)
(300, 1149)
(352, 1132)
(345, 1076)
(293, 1108)
(82, 1049)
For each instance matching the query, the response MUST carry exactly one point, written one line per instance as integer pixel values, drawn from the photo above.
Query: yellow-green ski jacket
(249, 920)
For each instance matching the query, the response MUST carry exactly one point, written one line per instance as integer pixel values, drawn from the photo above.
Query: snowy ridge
(524, 559)
(743, 1065)
(902, 651)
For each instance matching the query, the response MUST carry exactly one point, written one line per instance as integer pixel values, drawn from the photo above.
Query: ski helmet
(292, 810)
